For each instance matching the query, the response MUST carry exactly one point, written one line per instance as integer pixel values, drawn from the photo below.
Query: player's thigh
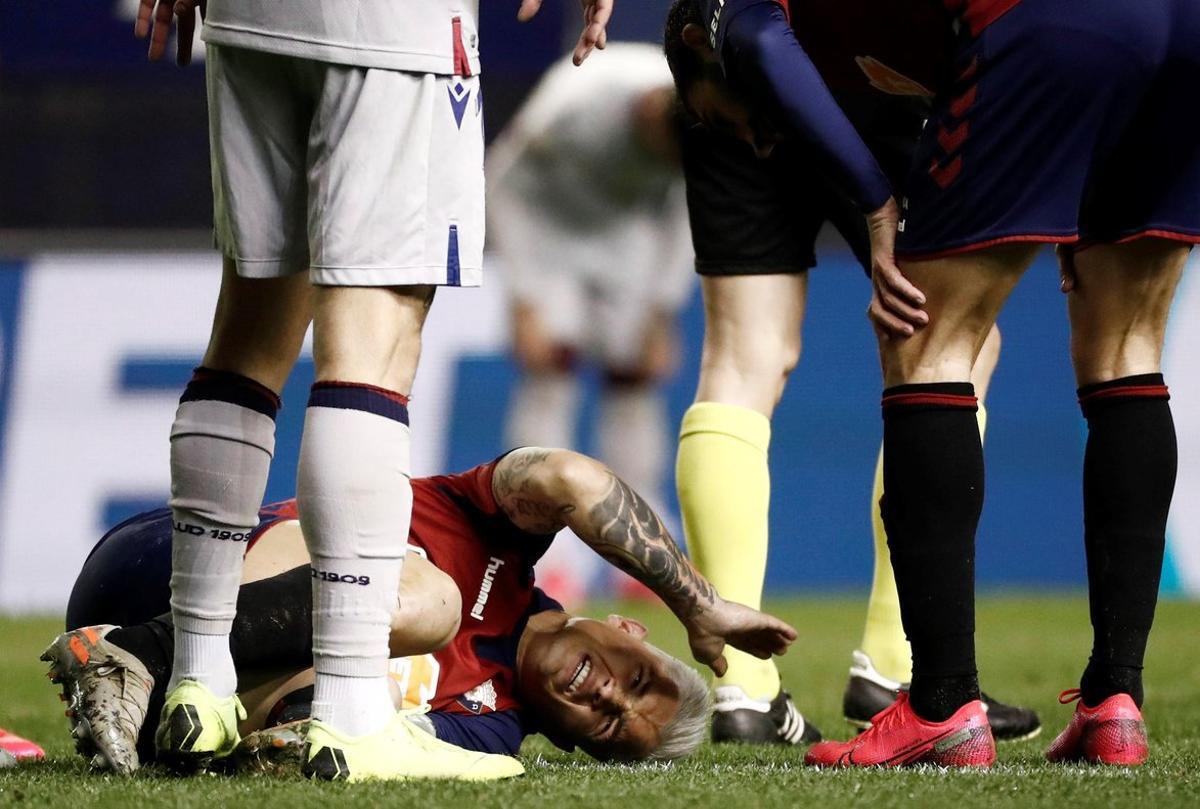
(1120, 305)
(964, 294)
(396, 194)
(430, 609)
(753, 230)
(751, 337)
(259, 325)
(258, 112)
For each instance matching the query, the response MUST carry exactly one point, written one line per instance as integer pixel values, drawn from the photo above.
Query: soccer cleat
(738, 718)
(899, 738)
(868, 692)
(275, 750)
(107, 691)
(196, 727)
(19, 748)
(401, 751)
(1111, 733)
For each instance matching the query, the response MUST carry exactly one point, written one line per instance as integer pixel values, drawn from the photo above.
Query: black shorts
(758, 217)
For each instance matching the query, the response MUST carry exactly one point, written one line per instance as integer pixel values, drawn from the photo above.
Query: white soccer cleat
(107, 691)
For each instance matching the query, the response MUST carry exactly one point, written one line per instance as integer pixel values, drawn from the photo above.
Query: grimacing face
(596, 685)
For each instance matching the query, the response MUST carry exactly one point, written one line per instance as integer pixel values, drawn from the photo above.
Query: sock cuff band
(931, 396)
(208, 384)
(1125, 389)
(355, 396)
(734, 421)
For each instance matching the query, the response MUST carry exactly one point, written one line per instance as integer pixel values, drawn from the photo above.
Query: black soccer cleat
(868, 692)
(738, 718)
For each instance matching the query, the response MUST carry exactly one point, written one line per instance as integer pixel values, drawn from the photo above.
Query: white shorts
(593, 292)
(364, 177)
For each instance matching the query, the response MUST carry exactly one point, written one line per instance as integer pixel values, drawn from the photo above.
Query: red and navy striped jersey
(458, 526)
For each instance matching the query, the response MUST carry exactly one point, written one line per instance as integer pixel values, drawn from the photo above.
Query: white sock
(355, 502)
(220, 457)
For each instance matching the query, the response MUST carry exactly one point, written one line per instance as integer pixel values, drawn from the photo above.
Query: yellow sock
(883, 637)
(724, 493)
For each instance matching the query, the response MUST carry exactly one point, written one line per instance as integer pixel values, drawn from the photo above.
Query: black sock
(933, 495)
(153, 643)
(273, 628)
(1128, 479)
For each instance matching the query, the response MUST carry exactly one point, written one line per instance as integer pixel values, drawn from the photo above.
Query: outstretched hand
(727, 622)
(895, 309)
(154, 21)
(596, 14)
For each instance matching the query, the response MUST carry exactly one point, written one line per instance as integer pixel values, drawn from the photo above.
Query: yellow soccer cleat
(197, 727)
(401, 751)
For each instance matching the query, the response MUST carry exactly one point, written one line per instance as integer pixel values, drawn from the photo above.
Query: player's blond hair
(687, 730)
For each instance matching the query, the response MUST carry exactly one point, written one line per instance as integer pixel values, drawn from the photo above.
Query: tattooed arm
(543, 491)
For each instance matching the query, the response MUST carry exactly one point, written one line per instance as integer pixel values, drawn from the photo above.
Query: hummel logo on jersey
(485, 588)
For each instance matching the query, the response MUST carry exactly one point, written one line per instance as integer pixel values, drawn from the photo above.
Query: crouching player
(486, 652)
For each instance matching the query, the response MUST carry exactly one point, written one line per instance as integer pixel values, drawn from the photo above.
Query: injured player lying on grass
(482, 657)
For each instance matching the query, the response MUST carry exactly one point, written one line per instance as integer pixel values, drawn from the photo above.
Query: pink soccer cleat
(1111, 733)
(899, 738)
(19, 748)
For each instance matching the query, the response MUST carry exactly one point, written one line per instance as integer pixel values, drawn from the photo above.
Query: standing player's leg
(883, 664)
(933, 483)
(354, 494)
(1119, 306)
(221, 448)
(395, 183)
(883, 643)
(751, 344)
(224, 431)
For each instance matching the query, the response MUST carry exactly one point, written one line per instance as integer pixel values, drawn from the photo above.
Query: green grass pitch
(1029, 649)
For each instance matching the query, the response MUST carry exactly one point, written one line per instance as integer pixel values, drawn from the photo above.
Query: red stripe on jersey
(962, 105)
(947, 174)
(462, 65)
(1159, 233)
(951, 139)
(979, 14)
(915, 255)
(940, 399)
(1128, 392)
(969, 73)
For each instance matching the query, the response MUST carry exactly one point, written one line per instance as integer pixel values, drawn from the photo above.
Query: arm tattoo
(513, 487)
(625, 530)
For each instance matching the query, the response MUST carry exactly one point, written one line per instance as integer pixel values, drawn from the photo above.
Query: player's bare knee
(1120, 306)
(430, 610)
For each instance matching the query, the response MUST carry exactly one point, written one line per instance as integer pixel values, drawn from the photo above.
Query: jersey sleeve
(761, 53)
(499, 732)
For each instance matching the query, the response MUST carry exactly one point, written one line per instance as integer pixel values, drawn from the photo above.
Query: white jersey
(417, 36)
(571, 190)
